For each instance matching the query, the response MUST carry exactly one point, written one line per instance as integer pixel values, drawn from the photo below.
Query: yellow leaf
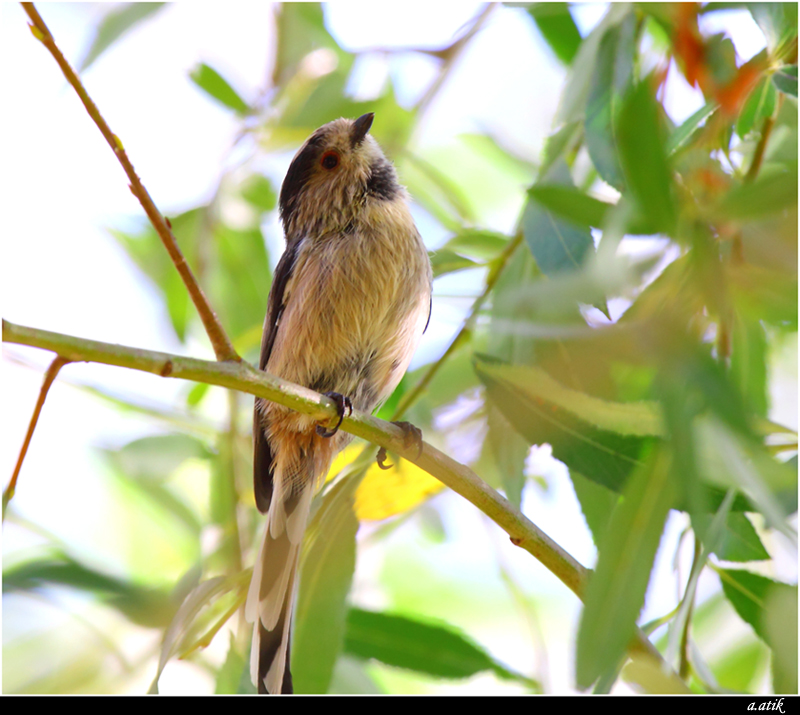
(384, 493)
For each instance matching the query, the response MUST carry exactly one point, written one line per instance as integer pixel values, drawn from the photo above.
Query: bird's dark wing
(262, 455)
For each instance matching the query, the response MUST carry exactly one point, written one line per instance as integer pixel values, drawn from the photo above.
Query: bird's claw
(411, 436)
(342, 403)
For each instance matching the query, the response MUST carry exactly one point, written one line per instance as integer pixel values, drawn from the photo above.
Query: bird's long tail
(270, 600)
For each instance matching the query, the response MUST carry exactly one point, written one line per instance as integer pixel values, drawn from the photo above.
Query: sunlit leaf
(759, 105)
(780, 629)
(601, 440)
(611, 77)
(739, 540)
(683, 134)
(327, 565)
(643, 157)
(217, 87)
(443, 261)
(571, 204)
(384, 493)
(777, 20)
(770, 193)
(117, 21)
(558, 28)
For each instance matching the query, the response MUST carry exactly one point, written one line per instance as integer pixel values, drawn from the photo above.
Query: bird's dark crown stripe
(298, 175)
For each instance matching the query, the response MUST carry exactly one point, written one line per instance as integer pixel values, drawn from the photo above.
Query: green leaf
(479, 244)
(257, 190)
(611, 77)
(327, 566)
(233, 670)
(785, 79)
(437, 650)
(565, 141)
(683, 134)
(445, 261)
(556, 245)
(772, 192)
(159, 456)
(780, 628)
(571, 204)
(115, 24)
(600, 439)
(198, 612)
(643, 157)
(616, 589)
(558, 28)
(749, 363)
(747, 593)
(738, 541)
(597, 504)
(759, 105)
(300, 30)
(778, 22)
(217, 87)
(572, 105)
(147, 607)
(510, 451)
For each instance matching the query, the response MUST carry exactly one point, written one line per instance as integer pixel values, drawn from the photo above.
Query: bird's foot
(412, 436)
(342, 403)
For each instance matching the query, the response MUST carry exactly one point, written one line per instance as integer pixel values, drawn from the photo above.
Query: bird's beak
(360, 128)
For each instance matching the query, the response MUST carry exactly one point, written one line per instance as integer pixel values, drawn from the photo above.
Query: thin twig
(245, 378)
(49, 376)
(223, 348)
(501, 262)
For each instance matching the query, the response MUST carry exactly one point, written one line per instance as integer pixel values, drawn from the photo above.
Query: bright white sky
(62, 188)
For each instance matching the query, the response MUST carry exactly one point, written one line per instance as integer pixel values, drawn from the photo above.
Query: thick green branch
(245, 378)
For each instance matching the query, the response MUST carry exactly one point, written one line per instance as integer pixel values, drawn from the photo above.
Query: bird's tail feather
(270, 600)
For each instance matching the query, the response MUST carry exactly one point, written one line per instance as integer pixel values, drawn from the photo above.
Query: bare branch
(222, 345)
(49, 377)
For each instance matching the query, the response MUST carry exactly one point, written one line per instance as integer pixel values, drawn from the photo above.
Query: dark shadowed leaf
(615, 594)
(785, 80)
(558, 28)
(556, 245)
(217, 87)
(115, 24)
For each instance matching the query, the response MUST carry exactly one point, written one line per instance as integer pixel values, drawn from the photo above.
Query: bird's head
(333, 176)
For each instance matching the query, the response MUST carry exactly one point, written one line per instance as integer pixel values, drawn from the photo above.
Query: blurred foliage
(659, 406)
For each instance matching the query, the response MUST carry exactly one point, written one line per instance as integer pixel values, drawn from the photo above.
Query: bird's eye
(330, 160)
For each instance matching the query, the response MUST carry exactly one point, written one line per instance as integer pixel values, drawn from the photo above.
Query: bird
(349, 302)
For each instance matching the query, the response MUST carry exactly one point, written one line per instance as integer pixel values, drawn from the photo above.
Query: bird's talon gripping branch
(412, 436)
(381, 459)
(342, 403)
